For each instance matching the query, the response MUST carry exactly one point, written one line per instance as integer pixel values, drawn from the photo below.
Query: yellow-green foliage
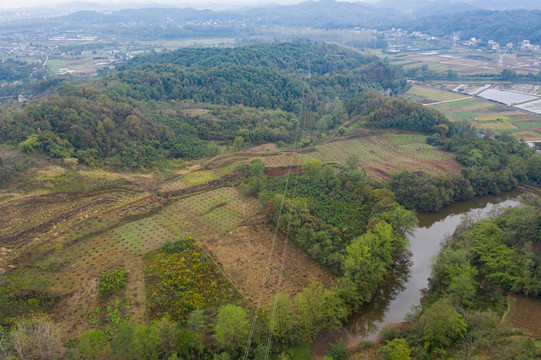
(73, 182)
(112, 281)
(180, 279)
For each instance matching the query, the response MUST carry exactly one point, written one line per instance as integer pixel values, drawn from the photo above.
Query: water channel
(404, 288)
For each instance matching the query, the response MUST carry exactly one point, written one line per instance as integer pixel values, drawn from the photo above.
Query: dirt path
(447, 101)
(243, 253)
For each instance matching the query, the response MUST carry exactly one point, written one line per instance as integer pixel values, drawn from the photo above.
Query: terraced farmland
(379, 154)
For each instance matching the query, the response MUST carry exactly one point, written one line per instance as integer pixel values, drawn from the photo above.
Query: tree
(339, 350)
(441, 325)
(147, 343)
(312, 168)
(327, 174)
(396, 349)
(284, 319)
(352, 163)
(238, 143)
(190, 344)
(257, 172)
(36, 337)
(533, 166)
(232, 327)
(196, 320)
(319, 309)
(123, 344)
(168, 333)
(31, 144)
(92, 345)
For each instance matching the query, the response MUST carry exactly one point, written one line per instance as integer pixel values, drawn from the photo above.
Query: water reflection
(404, 288)
(373, 313)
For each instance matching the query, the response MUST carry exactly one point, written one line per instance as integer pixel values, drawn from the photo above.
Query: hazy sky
(10, 4)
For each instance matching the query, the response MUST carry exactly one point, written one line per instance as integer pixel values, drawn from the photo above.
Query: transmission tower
(456, 37)
(500, 62)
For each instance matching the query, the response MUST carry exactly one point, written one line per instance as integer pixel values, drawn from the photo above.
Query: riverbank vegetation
(463, 315)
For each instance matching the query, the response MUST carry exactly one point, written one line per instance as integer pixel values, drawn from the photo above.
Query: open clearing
(426, 96)
(79, 64)
(525, 313)
(243, 254)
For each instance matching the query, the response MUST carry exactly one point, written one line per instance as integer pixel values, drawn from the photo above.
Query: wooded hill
(131, 117)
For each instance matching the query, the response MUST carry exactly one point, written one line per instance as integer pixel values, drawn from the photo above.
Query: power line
(269, 259)
(286, 242)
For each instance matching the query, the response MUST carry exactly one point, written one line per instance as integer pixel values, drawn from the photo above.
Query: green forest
(131, 117)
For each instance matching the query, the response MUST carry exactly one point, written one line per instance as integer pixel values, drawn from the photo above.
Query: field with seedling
(379, 153)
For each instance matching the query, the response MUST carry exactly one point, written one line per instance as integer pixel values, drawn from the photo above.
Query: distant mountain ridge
(501, 26)
(416, 15)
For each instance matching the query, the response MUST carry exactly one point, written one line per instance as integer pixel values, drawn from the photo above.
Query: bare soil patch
(243, 254)
(525, 313)
(71, 313)
(135, 289)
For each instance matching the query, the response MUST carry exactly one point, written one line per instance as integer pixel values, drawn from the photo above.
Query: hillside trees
(357, 232)
(130, 118)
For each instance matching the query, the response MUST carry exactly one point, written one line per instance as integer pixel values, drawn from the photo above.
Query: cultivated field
(525, 313)
(483, 115)
(464, 61)
(380, 153)
(79, 64)
(428, 96)
(65, 242)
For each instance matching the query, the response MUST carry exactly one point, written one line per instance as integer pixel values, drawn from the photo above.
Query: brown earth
(71, 313)
(243, 255)
(135, 289)
(383, 171)
(524, 313)
(282, 170)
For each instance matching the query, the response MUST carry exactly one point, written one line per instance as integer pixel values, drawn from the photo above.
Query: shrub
(339, 350)
(397, 349)
(92, 345)
(441, 325)
(389, 333)
(232, 327)
(113, 281)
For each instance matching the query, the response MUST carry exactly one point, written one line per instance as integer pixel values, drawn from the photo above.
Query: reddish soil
(282, 170)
